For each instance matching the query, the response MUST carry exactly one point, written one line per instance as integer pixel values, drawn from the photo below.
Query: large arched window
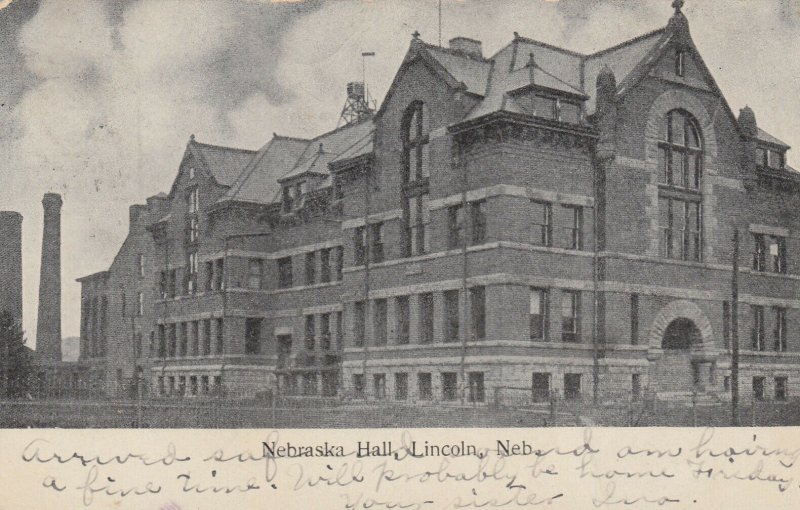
(415, 178)
(680, 197)
(681, 151)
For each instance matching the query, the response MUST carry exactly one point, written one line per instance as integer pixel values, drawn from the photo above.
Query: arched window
(680, 197)
(415, 178)
(682, 151)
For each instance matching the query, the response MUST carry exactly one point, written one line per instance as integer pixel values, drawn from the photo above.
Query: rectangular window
(309, 383)
(570, 316)
(204, 386)
(426, 318)
(220, 336)
(209, 274)
(775, 159)
(478, 220)
(193, 385)
(325, 331)
(359, 323)
(542, 223)
(540, 387)
(193, 200)
(451, 316)
(195, 338)
(284, 350)
(682, 227)
(572, 386)
(285, 272)
(781, 388)
(449, 386)
(184, 339)
(358, 385)
(161, 386)
(759, 253)
(636, 386)
(219, 275)
(172, 285)
(162, 341)
(255, 274)
(569, 112)
(310, 332)
(424, 386)
(538, 314)
(403, 319)
(779, 333)
(140, 265)
(574, 229)
(380, 321)
(206, 337)
(477, 300)
(758, 388)
(455, 226)
(777, 254)
(311, 268)
(252, 336)
(376, 242)
(181, 385)
(379, 382)
(191, 273)
(401, 386)
(726, 324)
(339, 263)
(544, 107)
(634, 319)
(757, 328)
(339, 331)
(761, 156)
(193, 229)
(218, 384)
(415, 212)
(477, 392)
(140, 304)
(325, 265)
(360, 246)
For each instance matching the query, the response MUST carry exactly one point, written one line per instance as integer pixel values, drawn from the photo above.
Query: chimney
(48, 328)
(467, 46)
(11, 263)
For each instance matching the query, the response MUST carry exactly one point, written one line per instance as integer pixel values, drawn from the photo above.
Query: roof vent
(466, 45)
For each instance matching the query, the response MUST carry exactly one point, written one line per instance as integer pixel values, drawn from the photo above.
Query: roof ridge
(340, 128)
(223, 147)
(291, 138)
(454, 52)
(549, 46)
(627, 42)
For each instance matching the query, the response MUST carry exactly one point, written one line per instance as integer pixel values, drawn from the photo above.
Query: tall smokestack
(11, 263)
(48, 329)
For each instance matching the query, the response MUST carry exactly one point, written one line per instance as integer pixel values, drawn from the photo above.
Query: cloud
(120, 85)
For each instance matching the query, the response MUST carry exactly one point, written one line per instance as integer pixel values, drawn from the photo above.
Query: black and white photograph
(399, 214)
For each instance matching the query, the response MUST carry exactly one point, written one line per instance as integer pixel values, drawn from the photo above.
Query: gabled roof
(258, 183)
(223, 163)
(768, 138)
(622, 59)
(284, 158)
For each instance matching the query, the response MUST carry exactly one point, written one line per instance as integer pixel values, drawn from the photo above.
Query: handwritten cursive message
(418, 469)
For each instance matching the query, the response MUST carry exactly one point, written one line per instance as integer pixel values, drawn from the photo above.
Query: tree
(16, 360)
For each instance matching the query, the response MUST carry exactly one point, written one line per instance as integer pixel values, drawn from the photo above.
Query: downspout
(465, 331)
(367, 255)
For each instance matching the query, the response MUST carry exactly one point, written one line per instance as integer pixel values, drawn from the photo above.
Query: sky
(98, 98)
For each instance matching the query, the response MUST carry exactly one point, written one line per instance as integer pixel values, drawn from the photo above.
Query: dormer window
(559, 109)
(680, 62)
(292, 196)
(769, 158)
(191, 173)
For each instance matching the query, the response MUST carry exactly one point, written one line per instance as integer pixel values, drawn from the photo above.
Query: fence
(508, 407)
(649, 409)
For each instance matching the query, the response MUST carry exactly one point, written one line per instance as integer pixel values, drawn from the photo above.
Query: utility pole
(735, 331)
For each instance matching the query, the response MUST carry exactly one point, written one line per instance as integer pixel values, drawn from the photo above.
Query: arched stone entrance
(681, 349)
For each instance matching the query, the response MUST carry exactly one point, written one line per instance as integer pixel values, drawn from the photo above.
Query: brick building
(537, 219)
